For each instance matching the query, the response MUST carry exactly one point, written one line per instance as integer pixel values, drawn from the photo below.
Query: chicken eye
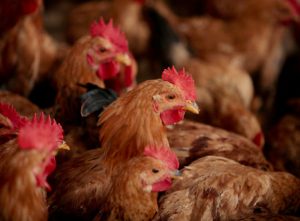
(170, 96)
(102, 50)
(155, 170)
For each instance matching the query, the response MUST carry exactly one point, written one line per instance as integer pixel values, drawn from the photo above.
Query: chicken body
(219, 188)
(191, 141)
(19, 196)
(225, 93)
(148, 103)
(22, 65)
(25, 164)
(80, 186)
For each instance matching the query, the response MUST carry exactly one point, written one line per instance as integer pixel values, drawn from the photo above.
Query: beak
(192, 106)
(176, 174)
(63, 146)
(123, 58)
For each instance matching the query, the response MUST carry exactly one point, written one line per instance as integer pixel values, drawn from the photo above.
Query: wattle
(108, 70)
(41, 179)
(162, 185)
(172, 116)
(128, 72)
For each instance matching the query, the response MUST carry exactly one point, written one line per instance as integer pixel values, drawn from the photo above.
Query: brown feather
(130, 123)
(191, 140)
(216, 188)
(19, 195)
(73, 71)
(80, 186)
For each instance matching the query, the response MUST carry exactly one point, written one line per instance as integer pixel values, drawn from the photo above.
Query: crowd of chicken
(92, 127)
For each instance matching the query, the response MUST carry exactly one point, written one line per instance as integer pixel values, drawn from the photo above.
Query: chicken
(155, 103)
(224, 91)
(126, 13)
(23, 65)
(86, 186)
(192, 140)
(223, 103)
(101, 58)
(264, 50)
(217, 188)
(142, 179)
(25, 164)
(283, 147)
(22, 104)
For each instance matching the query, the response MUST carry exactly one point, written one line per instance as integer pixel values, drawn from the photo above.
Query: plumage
(224, 91)
(216, 188)
(100, 58)
(88, 185)
(127, 127)
(192, 140)
(26, 161)
(146, 103)
(23, 65)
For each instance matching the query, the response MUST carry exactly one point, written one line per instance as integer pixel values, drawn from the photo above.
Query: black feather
(95, 99)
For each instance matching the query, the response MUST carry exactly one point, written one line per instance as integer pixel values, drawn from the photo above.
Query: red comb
(182, 80)
(295, 6)
(39, 133)
(164, 154)
(110, 32)
(15, 118)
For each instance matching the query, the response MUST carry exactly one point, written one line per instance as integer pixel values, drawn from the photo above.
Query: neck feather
(130, 124)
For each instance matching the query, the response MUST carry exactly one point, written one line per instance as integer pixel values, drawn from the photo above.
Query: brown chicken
(191, 140)
(138, 118)
(217, 40)
(126, 13)
(25, 164)
(86, 186)
(101, 58)
(224, 103)
(217, 188)
(224, 91)
(22, 64)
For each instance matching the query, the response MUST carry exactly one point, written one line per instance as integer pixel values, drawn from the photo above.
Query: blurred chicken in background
(27, 51)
